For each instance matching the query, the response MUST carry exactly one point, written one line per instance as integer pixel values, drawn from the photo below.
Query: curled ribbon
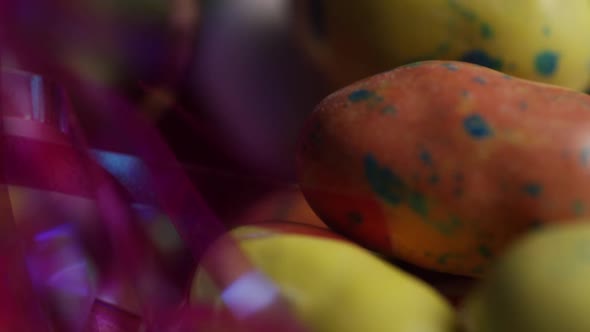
(83, 180)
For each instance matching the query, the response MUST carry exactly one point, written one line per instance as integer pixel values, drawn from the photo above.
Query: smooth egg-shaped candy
(442, 164)
(541, 40)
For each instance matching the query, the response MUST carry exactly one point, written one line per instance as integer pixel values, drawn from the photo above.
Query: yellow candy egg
(532, 39)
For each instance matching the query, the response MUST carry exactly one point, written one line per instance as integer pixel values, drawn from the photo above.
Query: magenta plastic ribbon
(194, 221)
(20, 307)
(61, 268)
(59, 272)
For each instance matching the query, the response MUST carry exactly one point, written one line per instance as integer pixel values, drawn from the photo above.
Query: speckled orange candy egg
(444, 163)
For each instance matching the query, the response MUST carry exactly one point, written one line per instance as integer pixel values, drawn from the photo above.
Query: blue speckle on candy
(585, 156)
(426, 157)
(418, 204)
(467, 13)
(390, 109)
(480, 80)
(360, 95)
(383, 181)
(533, 189)
(546, 63)
(486, 31)
(480, 57)
(477, 127)
(450, 66)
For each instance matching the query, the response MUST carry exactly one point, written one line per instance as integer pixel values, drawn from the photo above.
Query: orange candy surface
(443, 164)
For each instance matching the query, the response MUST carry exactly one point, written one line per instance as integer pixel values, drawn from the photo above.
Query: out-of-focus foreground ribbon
(98, 219)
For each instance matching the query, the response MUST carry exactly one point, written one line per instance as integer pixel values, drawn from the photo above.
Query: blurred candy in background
(538, 40)
(256, 86)
(110, 42)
